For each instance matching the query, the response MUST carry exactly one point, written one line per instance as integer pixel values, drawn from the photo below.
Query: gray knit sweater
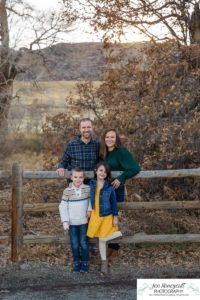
(75, 204)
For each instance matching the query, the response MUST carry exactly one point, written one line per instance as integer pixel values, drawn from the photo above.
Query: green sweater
(120, 159)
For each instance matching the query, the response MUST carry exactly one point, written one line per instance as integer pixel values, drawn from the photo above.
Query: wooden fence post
(17, 212)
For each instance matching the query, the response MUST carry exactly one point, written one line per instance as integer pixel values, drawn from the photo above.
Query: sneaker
(84, 267)
(77, 267)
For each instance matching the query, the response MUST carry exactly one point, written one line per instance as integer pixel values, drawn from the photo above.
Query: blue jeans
(79, 242)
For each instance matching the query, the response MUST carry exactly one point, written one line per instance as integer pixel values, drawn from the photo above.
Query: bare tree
(21, 22)
(194, 25)
(114, 16)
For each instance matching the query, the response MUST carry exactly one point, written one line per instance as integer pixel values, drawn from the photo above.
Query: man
(82, 151)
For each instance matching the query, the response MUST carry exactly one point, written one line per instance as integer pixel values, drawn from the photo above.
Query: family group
(88, 208)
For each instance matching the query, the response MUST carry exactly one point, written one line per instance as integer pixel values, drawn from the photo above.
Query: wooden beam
(4, 239)
(17, 213)
(5, 174)
(40, 207)
(45, 239)
(5, 208)
(142, 174)
(161, 238)
(51, 207)
(159, 205)
(169, 173)
(54, 175)
(135, 239)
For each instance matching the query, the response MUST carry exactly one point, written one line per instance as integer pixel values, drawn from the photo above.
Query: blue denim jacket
(107, 199)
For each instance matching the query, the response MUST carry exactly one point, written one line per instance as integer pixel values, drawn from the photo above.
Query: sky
(81, 32)
(44, 4)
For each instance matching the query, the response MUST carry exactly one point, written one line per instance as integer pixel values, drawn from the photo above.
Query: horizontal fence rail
(53, 207)
(142, 174)
(5, 174)
(89, 174)
(17, 208)
(135, 239)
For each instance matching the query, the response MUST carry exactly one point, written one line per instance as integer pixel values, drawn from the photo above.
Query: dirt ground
(44, 281)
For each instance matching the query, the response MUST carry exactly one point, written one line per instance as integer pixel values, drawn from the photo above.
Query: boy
(75, 209)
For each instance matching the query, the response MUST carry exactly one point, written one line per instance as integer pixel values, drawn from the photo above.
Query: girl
(119, 159)
(104, 218)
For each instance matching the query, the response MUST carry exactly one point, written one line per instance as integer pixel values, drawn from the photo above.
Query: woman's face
(110, 139)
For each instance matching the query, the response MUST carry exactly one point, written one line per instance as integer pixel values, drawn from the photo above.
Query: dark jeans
(79, 242)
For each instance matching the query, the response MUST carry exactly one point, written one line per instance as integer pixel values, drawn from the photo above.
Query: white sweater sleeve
(64, 208)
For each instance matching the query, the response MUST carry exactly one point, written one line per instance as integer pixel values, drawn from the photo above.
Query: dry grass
(140, 255)
(34, 101)
(29, 160)
(54, 93)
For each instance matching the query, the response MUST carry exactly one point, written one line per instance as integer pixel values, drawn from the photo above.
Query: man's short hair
(85, 120)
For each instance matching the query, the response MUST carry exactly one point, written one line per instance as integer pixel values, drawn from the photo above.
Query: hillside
(64, 61)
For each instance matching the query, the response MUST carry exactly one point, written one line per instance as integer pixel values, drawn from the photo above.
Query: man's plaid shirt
(79, 154)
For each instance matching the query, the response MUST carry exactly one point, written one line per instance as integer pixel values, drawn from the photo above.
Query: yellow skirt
(100, 226)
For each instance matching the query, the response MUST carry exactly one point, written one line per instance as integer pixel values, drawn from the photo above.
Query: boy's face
(77, 178)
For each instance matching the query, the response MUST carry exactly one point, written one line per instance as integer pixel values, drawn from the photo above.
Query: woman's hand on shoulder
(115, 183)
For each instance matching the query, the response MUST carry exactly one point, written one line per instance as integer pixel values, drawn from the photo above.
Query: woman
(119, 159)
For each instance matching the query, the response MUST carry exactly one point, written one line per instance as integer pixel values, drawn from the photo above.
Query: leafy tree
(18, 20)
(152, 98)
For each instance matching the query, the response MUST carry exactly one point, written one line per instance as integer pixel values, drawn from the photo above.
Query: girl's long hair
(103, 148)
(107, 168)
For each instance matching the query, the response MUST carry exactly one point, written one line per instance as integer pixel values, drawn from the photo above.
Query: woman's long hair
(103, 148)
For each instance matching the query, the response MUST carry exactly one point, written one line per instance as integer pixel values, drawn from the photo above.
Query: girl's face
(101, 173)
(110, 140)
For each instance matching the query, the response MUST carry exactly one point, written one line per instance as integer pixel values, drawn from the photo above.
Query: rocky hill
(64, 61)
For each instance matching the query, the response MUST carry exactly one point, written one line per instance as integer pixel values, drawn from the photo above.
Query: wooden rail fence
(17, 208)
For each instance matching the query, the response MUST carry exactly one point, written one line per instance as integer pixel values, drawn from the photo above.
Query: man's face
(86, 129)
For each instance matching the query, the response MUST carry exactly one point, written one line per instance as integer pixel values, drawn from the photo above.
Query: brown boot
(104, 266)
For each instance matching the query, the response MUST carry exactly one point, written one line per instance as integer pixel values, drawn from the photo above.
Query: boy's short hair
(78, 169)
